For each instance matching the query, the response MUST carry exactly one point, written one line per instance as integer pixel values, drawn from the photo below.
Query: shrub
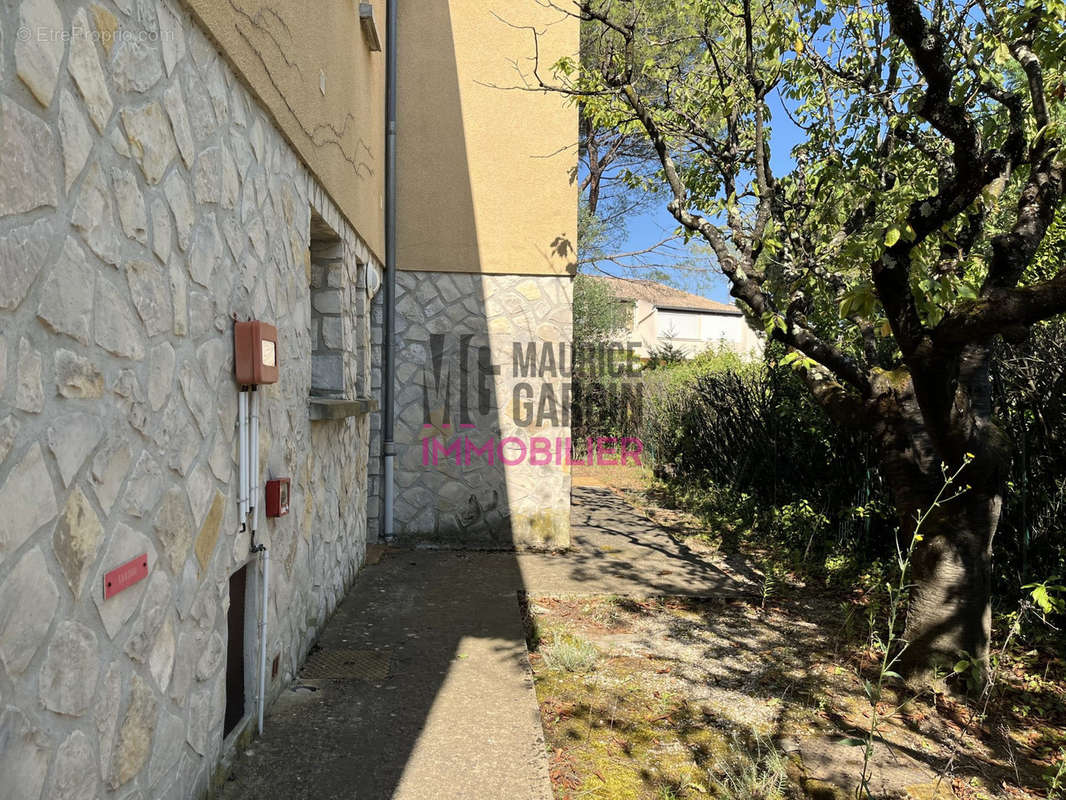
(746, 447)
(750, 448)
(666, 355)
(1029, 401)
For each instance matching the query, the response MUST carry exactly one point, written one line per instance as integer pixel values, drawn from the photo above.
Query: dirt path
(677, 697)
(617, 550)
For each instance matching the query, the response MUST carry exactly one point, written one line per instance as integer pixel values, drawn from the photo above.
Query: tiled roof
(662, 296)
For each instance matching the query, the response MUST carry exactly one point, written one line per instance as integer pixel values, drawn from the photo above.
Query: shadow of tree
(723, 674)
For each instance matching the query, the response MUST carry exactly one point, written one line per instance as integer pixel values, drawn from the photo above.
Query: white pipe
(253, 499)
(253, 494)
(240, 454)
(242, 451)
(265, 564)
(387, 496)
(247, 458)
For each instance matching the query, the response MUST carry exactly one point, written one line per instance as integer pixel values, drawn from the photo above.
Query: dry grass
(699, 699)
(629, 477)
(683, 689)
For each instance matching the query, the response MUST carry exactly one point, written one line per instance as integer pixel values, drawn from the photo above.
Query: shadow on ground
(685, 692)
(457, 670)
(456, 715)
(616, 550)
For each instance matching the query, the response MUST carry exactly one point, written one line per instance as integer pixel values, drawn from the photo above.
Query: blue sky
(646, 229)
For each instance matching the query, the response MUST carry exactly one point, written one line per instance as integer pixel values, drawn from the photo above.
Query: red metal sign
(125, 576)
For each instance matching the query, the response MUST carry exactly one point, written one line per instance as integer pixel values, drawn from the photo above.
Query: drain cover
(367, 665)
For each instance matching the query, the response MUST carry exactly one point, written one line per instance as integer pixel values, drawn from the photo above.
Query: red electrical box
(277, 497)
(255, 353)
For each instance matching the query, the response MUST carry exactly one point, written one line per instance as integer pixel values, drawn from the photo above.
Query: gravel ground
(680, 687)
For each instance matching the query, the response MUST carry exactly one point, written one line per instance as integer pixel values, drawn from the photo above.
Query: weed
(750, 773)
(890, 653)
(772, 575)
(974, 674)
(570, 654)
(1056, 778)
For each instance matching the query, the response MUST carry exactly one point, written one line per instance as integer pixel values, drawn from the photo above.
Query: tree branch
(1006, 311)
(742, 286)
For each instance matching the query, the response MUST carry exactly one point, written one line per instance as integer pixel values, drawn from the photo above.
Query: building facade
(487, 234)
(168, 169)
(660, 315)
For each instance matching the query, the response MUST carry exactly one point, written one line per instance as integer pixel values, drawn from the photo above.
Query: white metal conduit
(248, 498)
(253, 447)
(264, 563)
(264, 559)
(242, 450)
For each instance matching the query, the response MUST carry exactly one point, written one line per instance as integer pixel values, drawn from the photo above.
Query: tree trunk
(949, 610)
(949, 614)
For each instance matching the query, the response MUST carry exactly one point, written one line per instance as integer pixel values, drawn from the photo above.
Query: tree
(665, 355)
(883, 257)
(617, 183)
(599, 318)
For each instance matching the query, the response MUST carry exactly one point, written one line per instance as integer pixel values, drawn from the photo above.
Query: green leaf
(892, 236)
(772, 321)
(565, 66)
(961, 666)
(852, 742)
(1041, 598)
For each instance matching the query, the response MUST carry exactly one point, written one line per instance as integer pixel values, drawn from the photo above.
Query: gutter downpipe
(388, 378)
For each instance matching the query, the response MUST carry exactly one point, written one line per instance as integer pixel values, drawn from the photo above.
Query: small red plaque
(125, 576)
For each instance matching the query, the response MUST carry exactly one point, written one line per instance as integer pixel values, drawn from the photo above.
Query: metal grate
(366, 665)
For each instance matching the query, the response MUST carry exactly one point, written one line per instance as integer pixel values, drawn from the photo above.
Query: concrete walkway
(439, 702)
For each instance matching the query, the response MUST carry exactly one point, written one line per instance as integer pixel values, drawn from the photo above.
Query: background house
(662, 314)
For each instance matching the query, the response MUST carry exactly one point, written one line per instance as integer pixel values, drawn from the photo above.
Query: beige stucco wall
(486, 174)
(644, 327)
(310, 66)
(650, 330)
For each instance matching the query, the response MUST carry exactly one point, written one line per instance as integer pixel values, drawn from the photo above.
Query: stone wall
(509, 498)
(145, 201)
